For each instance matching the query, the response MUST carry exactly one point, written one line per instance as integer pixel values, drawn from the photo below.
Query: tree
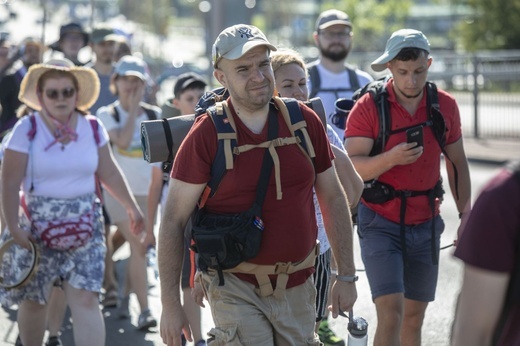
(495, 24)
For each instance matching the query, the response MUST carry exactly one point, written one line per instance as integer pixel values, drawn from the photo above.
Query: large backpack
(214, 105)
(435, 120)
(314, 76)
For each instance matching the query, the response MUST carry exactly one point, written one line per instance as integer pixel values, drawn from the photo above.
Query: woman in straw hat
(55, 154)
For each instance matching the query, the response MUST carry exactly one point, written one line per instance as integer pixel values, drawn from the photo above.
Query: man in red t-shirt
(243, 313)
(489, 248)
(400, 247)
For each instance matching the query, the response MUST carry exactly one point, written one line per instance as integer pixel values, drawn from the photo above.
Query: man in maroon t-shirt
(243, 312)
(489, 248)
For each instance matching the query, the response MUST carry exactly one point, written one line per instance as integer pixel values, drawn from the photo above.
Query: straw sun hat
(88, 83)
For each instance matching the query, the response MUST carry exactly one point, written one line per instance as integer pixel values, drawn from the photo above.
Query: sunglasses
(54, 94)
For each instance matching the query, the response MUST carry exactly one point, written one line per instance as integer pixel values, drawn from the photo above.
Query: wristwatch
(347, 278)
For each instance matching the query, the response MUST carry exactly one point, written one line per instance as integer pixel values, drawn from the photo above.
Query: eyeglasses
(329, 35)
(54, 94)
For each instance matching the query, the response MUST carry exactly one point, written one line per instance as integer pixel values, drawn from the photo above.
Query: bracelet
(347, 278)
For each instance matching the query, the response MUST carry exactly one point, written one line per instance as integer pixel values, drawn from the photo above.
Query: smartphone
(415, 134)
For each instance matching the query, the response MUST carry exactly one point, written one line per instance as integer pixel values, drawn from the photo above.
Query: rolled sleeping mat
(153, 136)
(154, 141)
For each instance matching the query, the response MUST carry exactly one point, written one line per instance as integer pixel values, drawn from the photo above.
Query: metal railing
(486, 86)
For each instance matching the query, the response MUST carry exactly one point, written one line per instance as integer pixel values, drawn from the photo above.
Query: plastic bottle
(358, 328)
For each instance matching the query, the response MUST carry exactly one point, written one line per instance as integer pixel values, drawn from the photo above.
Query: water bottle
(357, 328)
(151, 260)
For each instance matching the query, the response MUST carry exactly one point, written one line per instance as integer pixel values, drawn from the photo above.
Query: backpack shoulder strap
(314, 76)
(32, 131)
(95, 127)
(293, 117)
(380, 96)
(227, 141)
(112, 110)
(150, 113)
(354, 80)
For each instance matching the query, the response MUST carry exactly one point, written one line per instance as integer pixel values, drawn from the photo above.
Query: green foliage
(154, 14)
(495, 24)
(373, 20)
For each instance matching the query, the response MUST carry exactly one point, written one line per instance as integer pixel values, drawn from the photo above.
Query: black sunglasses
(54, 94)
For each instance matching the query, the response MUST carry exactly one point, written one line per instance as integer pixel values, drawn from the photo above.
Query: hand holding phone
(415, 134)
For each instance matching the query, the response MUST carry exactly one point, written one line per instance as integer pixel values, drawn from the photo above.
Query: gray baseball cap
(404, 38)
(236, 41)
(131, 66)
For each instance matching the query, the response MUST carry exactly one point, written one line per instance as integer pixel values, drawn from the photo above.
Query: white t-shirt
(322, 235)
(330, 80)
(57, 172)
(137, 171)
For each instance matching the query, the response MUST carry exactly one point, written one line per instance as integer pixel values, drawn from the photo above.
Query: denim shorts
(381, 251)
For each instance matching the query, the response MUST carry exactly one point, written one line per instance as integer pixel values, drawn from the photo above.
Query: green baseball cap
(236, 41)
(404, 38)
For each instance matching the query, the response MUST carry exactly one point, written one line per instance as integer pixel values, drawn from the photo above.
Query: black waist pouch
(377, 192)
(224, 241)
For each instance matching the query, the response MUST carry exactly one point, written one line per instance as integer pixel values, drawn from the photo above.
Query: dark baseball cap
(332, 17)
(102, 34)
(186, 80)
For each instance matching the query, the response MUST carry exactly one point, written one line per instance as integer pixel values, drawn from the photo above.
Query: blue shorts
(380, 241)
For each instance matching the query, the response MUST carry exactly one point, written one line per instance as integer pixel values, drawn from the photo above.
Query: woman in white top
(122, 119)
(55, 155)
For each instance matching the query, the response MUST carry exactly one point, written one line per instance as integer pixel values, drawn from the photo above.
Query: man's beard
(334, 55)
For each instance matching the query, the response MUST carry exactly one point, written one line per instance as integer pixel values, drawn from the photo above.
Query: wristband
(347, 278)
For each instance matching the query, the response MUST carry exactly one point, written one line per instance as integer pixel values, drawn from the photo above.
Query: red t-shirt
(363, 121)
(290, 223)
(491, 237)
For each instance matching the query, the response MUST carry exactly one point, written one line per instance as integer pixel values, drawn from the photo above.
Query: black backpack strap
(314, 76)
(167, 165)
(112, 109)
(354, 80)
(380, 96)
(148, 109)
(267, 164)
(438, 126)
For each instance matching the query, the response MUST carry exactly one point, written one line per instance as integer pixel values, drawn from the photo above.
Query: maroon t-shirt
(290, 223)
(363, 121)
(491, 237)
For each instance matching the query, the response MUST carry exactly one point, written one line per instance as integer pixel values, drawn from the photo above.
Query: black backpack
(314, 76)
(435, 120)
